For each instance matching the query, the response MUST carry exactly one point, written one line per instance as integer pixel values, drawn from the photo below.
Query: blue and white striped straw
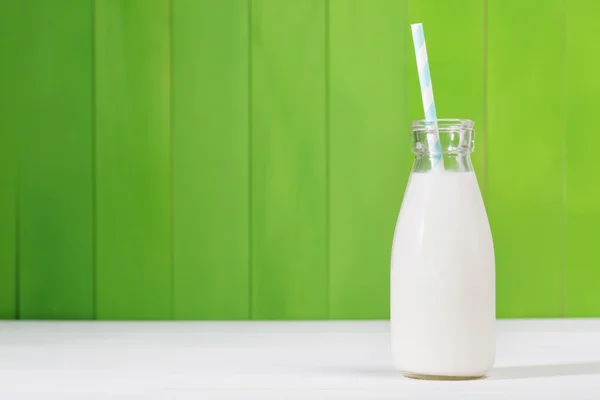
(427, 96)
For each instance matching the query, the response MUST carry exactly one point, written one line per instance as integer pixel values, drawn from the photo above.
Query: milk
(442, 278)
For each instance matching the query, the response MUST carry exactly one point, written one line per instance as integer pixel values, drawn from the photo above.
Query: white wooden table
(545, 359)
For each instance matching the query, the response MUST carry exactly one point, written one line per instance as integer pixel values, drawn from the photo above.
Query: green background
(246, 159)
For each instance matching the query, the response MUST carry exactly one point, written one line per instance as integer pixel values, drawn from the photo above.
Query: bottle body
(443, 276)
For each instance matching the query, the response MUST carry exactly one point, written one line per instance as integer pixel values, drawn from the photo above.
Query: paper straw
(427, 96)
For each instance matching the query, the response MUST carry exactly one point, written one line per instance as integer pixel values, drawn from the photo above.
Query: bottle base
(441, 377)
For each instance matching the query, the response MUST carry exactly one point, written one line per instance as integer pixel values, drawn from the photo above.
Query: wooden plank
(9, 129)
(211, 192)
(456, 57)
(55, 171)
(524, 154)
(370, 150)
(133, 154)
(289, 253)
(582, 168)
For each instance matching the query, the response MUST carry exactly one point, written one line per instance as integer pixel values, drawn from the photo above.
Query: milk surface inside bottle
(442, 270)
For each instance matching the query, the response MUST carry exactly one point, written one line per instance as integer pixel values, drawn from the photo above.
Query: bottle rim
(444, 124)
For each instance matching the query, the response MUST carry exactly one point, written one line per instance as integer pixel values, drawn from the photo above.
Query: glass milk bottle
(442, 271)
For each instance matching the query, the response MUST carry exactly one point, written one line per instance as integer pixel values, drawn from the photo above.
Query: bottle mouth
(442, 124)
(442, 136)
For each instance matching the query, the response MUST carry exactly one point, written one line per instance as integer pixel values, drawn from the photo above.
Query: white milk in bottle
(442, 271)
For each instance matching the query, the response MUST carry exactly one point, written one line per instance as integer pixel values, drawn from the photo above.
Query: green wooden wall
(246, 159)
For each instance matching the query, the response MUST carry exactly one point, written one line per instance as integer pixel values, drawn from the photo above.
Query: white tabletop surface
(546, 359)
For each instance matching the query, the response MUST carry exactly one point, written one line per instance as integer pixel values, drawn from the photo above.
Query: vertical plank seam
(564, 169)
(17, 253)
(16, 142)
(250, 219)
(327, 161)
(172, 159)
(94, 172)
(484, 135)
(17, 195)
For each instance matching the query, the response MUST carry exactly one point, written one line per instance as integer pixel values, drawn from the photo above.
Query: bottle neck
(452, 162)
